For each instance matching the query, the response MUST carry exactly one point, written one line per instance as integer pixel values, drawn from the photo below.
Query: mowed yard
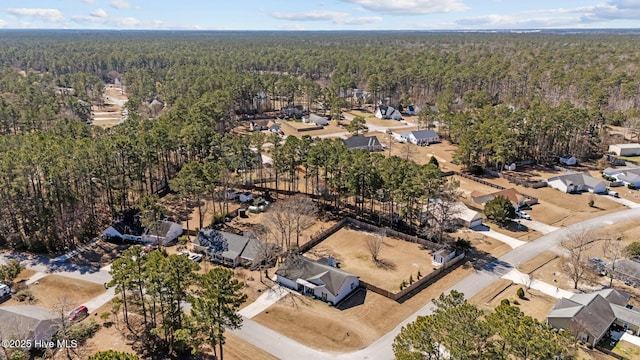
(398, 259)
(368, 316)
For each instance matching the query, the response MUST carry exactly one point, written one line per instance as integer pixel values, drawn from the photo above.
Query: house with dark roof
(227, 248)
(577, 182)
(314, 278)
(568, 160)
(421, 137)
(388, 113)
(369, 143)
(128, 228)
(316, 120)
(589, 316)
(28, 322)
(625, 270)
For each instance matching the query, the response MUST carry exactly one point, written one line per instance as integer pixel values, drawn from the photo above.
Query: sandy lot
(318, 325)
(54, 291)
(291, 128)
(401, 259)
(110, 113)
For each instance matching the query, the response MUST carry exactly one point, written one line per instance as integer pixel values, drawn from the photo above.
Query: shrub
(516, 302)
(591, 202)
(24, 295)
(631, 186)
(419, 275)
(81, 331)
(505, 302)
(410, 279)
(520, 293)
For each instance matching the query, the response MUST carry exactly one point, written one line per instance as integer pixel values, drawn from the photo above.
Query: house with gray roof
(316, 120)
(164, 233)
(577, 182)
(626, 270)
(314, 278)
(421, 137)
(388, 113)
(625, 175)
(589, 316)
(28, 322)
(369, 143)
(227, 248)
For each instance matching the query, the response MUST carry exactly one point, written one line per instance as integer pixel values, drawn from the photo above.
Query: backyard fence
(531, 200)
(318, 237)
(417, 285)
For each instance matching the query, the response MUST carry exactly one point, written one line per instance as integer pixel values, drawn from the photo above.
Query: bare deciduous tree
(613, 249)
(374, 246)
(289, 217)
(576, 262)
(267, 251)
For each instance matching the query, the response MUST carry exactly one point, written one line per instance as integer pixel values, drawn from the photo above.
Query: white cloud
(99, 13)
(411, 7)
(332, 16)
(120, 4)
(310, 16)
(47, 15)
(2, 23)
(88, 1)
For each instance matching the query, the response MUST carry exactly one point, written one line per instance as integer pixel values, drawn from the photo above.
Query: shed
(568, 160)
(625, 149)
(443, 255)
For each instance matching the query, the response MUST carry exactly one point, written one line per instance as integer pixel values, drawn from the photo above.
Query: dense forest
(502, 97)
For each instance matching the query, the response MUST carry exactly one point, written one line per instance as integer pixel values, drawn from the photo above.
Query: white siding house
(317, 120)
(165, 233)
(626, 176)
(421, 137)
(388, 113)
(313, 278)
(573, 183)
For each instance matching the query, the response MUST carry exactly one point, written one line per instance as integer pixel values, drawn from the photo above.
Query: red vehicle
(79, 313)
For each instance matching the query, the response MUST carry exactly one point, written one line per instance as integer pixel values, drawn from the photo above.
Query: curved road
(283, 347)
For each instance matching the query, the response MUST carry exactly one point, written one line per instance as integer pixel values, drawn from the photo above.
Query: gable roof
(421, 134)
(579, 179)
(593, 312)
(162, 229)
(314, 118)
(28, 322)
(627, 146)
(627, 267)
(226, 245)
(360, 141)
(300, 267)
(513, 195)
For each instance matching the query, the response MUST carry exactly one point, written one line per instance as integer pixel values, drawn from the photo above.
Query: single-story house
(388, 113)
(165, 233)
(313, 278)
(589, 316)
(127, 229)
(258, 125)
(442, 256)
(273, 126)
(412, 110)
(625, 149)
(292, 111)
(514, 196)
(456, 213)
(317, 120)
(28, 322)
(245, 197)
(625, 175)
(421, 137)
(226, 248)
(626, 270)
(577, 182)
(369, 143)
(568, 160)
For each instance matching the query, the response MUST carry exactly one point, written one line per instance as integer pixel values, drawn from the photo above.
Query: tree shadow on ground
(386, 264)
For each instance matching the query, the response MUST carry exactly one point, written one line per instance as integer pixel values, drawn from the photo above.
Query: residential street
(286, 348)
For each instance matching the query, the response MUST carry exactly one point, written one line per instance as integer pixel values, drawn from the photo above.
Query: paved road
(285, 348)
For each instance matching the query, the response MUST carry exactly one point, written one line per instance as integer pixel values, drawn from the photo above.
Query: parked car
(522, 215)
(79, 313)
(5, 292)
(613, 193)
(195, 257)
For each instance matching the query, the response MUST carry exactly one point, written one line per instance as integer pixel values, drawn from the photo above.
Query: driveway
(546, 288)
(538, 226)
(621, 200)
(485, 230)
(285, 348)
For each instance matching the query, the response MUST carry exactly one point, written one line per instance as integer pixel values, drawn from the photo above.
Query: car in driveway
(522, 215)
(78, 313)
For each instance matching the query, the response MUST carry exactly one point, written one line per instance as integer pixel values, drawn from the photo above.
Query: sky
(319, 14)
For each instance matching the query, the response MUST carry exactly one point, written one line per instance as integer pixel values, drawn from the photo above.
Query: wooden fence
(392, 233)
(531, 200)
(417, 285)
(320, 236)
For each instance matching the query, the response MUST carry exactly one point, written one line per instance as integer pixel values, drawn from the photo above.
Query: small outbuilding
(568, 160)
(443, 255)
(632, 149)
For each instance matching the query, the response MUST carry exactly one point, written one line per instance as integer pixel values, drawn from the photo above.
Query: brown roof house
(589, 316)
(314, 278)
(516, 198)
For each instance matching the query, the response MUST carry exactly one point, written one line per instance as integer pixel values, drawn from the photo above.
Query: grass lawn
(627, 350)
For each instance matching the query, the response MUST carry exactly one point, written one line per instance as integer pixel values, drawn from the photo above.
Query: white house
(421, 137)
(388, 113)
(128, 229)
(313, 278)
(626, 176)
(568, 160)
(457, 213)
(577, 182)
(165, 233)
(317, 120)
(625, 149)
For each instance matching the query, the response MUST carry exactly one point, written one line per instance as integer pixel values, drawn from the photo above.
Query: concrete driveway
(485, 230)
